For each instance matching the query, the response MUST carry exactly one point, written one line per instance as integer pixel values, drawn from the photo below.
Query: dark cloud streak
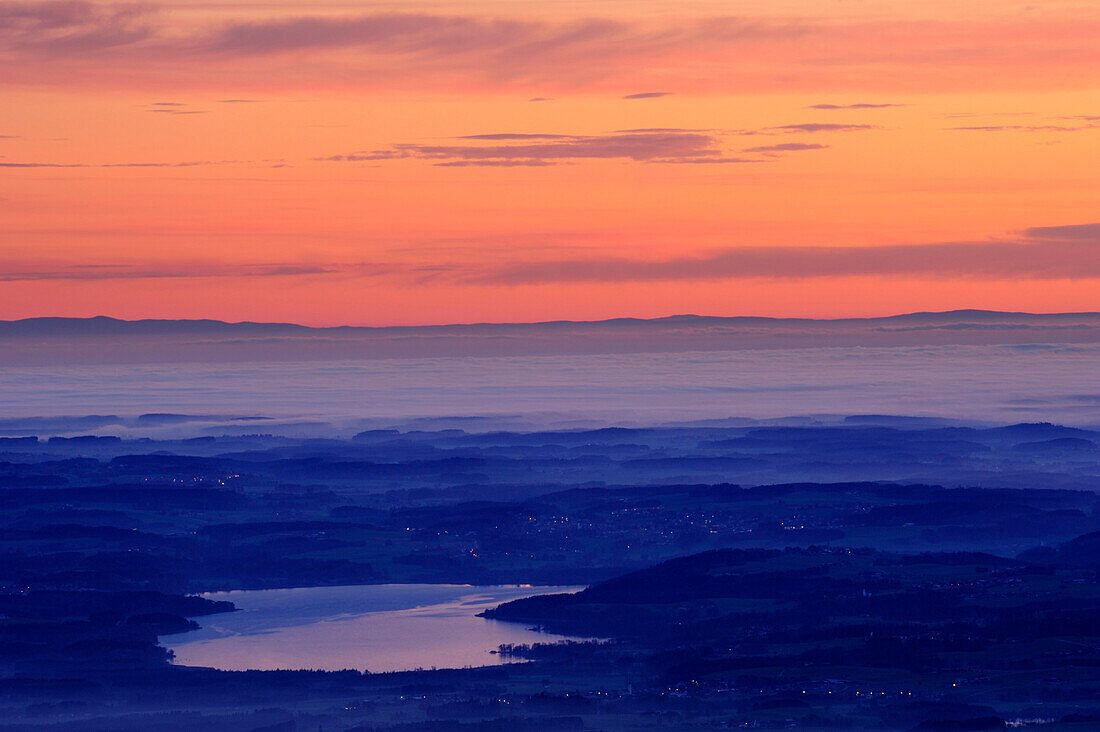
(1047, 252)
(822, 127)
(184, 164)
(787, 147)
(1060, 252)
(541, 149)
(18, 273)
(1021, 128)
(1073, 232)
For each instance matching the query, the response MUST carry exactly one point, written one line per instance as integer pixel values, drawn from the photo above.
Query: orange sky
(384, 163)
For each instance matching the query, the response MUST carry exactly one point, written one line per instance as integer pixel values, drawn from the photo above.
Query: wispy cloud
(1058, 252)
(511, 149)
(1048, 252)
(1023, 128)
(786, 147)
(502, 163)
(173, 108)
(22, 272)
(182, 164)
(822, 127)
(706, 161)
(124, 44)
(515, 136)
(406, 33)
(859, 105)
(43, 165)
(808, 128)
(73, 27)
(1072, 232)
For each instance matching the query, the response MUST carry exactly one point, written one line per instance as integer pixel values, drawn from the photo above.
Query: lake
(375, 628)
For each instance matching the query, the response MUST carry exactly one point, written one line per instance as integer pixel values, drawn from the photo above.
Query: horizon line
(672, 317)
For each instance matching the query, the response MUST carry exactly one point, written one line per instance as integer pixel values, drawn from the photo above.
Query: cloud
(1073, 232)
(407, 33)
(786, 147)
(43, 165)
(64, 27)
(656, 146)
(1022, 128)
(540, 99)
(514, 136)
(806, 128)
(704, 161)
(293, 45)
(821, 127)
(238, 101)
(861, 105)
(173, 108)
(647, 95)
(522, 42)
(661, 129)
(183, 164)
(361, 157)
(502, 163)
(1038, 253)
(963, 115)
(16, 272)
(1059, 252)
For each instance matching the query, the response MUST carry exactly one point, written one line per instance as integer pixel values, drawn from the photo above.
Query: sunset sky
(416, 162)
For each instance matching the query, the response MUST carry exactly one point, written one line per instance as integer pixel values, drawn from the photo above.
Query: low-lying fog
(996, 384)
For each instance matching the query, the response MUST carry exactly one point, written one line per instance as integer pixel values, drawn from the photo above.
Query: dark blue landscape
(684, 523)
(871, 571)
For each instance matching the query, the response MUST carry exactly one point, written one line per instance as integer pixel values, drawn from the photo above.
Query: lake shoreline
(374, 628)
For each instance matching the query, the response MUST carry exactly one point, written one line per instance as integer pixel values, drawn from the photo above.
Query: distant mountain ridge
(102, 324)
(101, 339)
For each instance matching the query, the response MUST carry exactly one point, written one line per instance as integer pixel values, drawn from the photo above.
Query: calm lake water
(364, 627)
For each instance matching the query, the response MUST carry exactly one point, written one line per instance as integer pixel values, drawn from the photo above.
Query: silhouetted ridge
(106, 325)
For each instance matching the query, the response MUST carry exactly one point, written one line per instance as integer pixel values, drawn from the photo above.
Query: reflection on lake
(366, 627)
